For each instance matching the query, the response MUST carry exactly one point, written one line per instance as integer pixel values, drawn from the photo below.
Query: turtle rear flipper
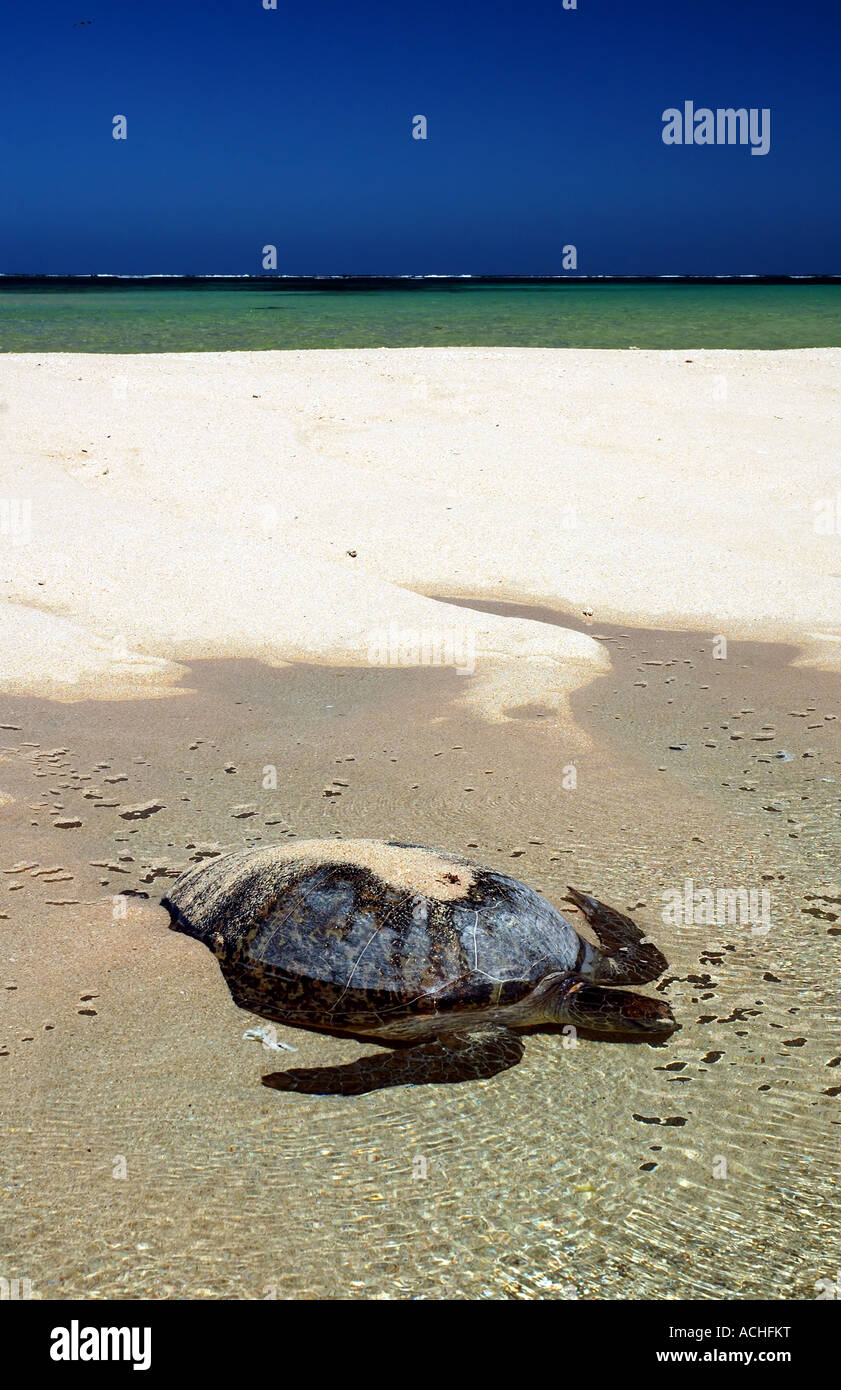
(625, 958)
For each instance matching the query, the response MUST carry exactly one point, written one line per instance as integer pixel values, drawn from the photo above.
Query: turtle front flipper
(625, 958)
(476, 1054)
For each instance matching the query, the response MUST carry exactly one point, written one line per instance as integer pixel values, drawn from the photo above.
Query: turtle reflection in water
(407, 946)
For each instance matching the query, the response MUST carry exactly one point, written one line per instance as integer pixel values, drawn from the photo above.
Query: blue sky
(293, 127)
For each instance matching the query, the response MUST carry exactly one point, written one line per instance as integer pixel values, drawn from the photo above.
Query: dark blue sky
(293, 127)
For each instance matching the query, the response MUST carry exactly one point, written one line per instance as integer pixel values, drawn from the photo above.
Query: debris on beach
(267, 1035)
(141, 811)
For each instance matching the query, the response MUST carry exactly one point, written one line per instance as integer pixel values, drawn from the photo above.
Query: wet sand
(153, 1152)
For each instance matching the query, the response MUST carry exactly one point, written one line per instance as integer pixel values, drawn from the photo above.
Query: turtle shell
(357, 935)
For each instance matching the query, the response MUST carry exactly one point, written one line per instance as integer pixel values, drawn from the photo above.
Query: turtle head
(601, 1010)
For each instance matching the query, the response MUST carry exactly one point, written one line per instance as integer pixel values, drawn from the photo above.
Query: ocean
(214, 315)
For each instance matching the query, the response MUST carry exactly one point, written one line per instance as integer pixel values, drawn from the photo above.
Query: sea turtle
(405, 945)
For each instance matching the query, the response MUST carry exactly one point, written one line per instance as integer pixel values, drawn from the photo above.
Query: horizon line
(267, 278)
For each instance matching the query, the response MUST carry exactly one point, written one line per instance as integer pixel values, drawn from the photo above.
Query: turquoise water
(200, 319)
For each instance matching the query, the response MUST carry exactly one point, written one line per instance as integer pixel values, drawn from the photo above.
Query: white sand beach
(294, 505)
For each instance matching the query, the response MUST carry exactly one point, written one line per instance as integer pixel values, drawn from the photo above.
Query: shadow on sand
(429, 1064)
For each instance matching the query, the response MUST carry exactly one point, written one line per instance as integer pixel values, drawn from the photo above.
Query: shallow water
(178, 319)
(703, 1168)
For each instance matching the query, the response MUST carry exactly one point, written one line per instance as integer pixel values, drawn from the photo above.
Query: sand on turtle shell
(410, 869)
